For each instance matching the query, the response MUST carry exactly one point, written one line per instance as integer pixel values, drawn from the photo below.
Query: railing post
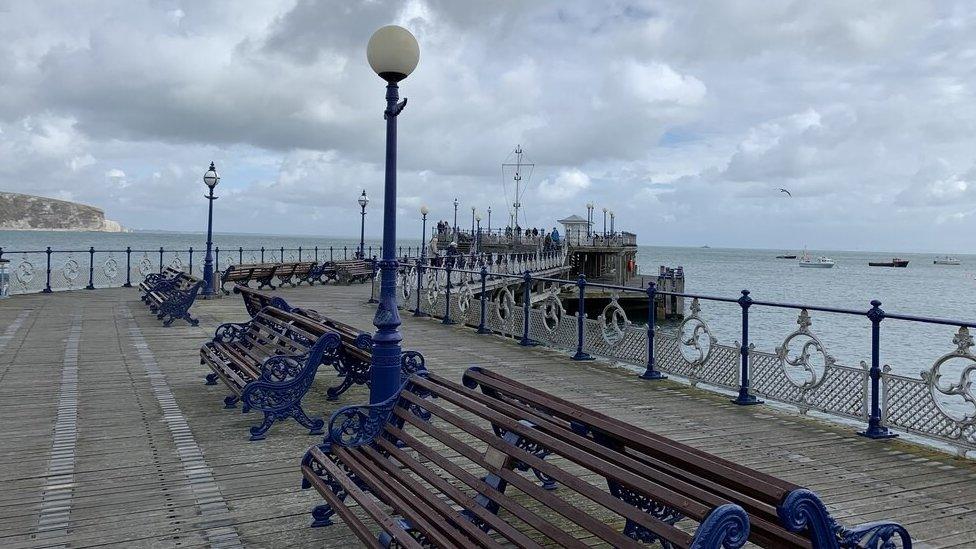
(345, 252)
(581, 320)
(526, 309)
(191, 260)
(281, 257)
(650, 372)
(240, 254)
(370, 250)
(299, 253)
(875, 428)
(128, 267)
(372, 280)
(316, 254)
(482, 329)
(744, 398)
(160, 260)
(91, 268)
(420, 281)
(47, 285)
(262, 254)
(447, 301)
(330, 259)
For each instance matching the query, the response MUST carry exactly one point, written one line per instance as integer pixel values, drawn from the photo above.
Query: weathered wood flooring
(110, 437)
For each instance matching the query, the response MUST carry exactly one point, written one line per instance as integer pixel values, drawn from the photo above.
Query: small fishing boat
(822, 262)
(786, 257)
(947, 260)
(895, 262)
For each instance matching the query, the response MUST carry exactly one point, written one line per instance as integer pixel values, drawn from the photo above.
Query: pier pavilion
(111, 438)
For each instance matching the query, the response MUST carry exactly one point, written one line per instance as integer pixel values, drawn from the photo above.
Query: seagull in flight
(787, 192)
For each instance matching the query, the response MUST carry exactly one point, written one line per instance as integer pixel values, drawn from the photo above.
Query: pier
(112, 438)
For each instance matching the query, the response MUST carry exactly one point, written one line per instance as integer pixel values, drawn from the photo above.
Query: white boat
(947, 260)
(822, 262)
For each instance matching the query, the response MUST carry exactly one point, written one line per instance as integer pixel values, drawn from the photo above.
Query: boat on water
(947, 260)
(822, 262)
(895, 262)
(786, 257)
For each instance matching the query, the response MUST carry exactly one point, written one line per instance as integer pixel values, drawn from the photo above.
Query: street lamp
(363, 201)
(612, 216)
(423, 233)
(477, 238)
(605, 210)
(454, 227)
(589, 219)
(489, 219)
(393, 54)
(210, 179)
(472, 220)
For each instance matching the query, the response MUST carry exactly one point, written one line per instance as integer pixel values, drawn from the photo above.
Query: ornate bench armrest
(802, 511)
(283, 367)
(359, 425)
(412, 362)
(231, 331)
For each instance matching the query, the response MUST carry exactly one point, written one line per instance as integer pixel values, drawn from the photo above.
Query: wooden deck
(110, 437)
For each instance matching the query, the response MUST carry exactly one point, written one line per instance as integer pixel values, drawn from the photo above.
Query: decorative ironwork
(613, 321)
(357, 425)
(24, 273)
(111, 268)
(70, 271)
(464, 297)
(650, 506)
(802, 511)
(176, 263)
(695, 337)
(960, 392)
(145, 265)
(552, 312)
(799, 369)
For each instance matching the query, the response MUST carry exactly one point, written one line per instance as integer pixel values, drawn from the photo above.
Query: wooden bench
(269, 362)
(322, 273)
(353, 270)
(781, 514)
(294, 273)
(255, 300)
(171, 298)
(262, 273)
(434, 473)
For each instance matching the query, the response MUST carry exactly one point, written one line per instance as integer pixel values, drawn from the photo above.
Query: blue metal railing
(47, 270)
(872, 393)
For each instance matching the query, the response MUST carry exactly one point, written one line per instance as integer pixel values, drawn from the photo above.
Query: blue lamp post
(589, 219)
(423, 233)
(363, 201)
(393, 54)
(489, 220)
(211, 178)
(605, 210)
(477, 235)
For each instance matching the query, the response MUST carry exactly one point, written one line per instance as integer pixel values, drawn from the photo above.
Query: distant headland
(23, 212)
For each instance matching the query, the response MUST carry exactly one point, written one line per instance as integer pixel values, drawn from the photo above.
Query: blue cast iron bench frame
(269, 363)
(169, 295)
(781, 513)
(430, 467)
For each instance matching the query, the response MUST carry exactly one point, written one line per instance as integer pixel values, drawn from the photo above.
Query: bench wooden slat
(518, 510)
(576, 515)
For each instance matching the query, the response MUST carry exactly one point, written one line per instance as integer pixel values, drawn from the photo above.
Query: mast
(517, 177)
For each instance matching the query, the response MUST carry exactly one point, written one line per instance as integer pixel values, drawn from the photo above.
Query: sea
(922, 289)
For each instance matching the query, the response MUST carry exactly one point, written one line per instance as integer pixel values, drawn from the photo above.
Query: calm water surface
(920, 289)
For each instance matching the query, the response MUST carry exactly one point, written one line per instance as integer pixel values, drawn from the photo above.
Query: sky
(684, 118)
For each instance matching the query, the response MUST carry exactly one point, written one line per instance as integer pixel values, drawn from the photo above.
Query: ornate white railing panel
(941, 402)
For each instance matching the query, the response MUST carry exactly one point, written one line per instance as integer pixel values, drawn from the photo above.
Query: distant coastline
(24, 212)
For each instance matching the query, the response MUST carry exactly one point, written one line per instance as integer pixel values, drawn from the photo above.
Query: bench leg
(313, 424)
(333, 392)
(531, 447)
(212, 379)
(230, 401)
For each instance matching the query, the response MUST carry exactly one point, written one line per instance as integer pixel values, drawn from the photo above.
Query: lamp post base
(580, 355)
(653, 375)
(746, 400)
(877, 432)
